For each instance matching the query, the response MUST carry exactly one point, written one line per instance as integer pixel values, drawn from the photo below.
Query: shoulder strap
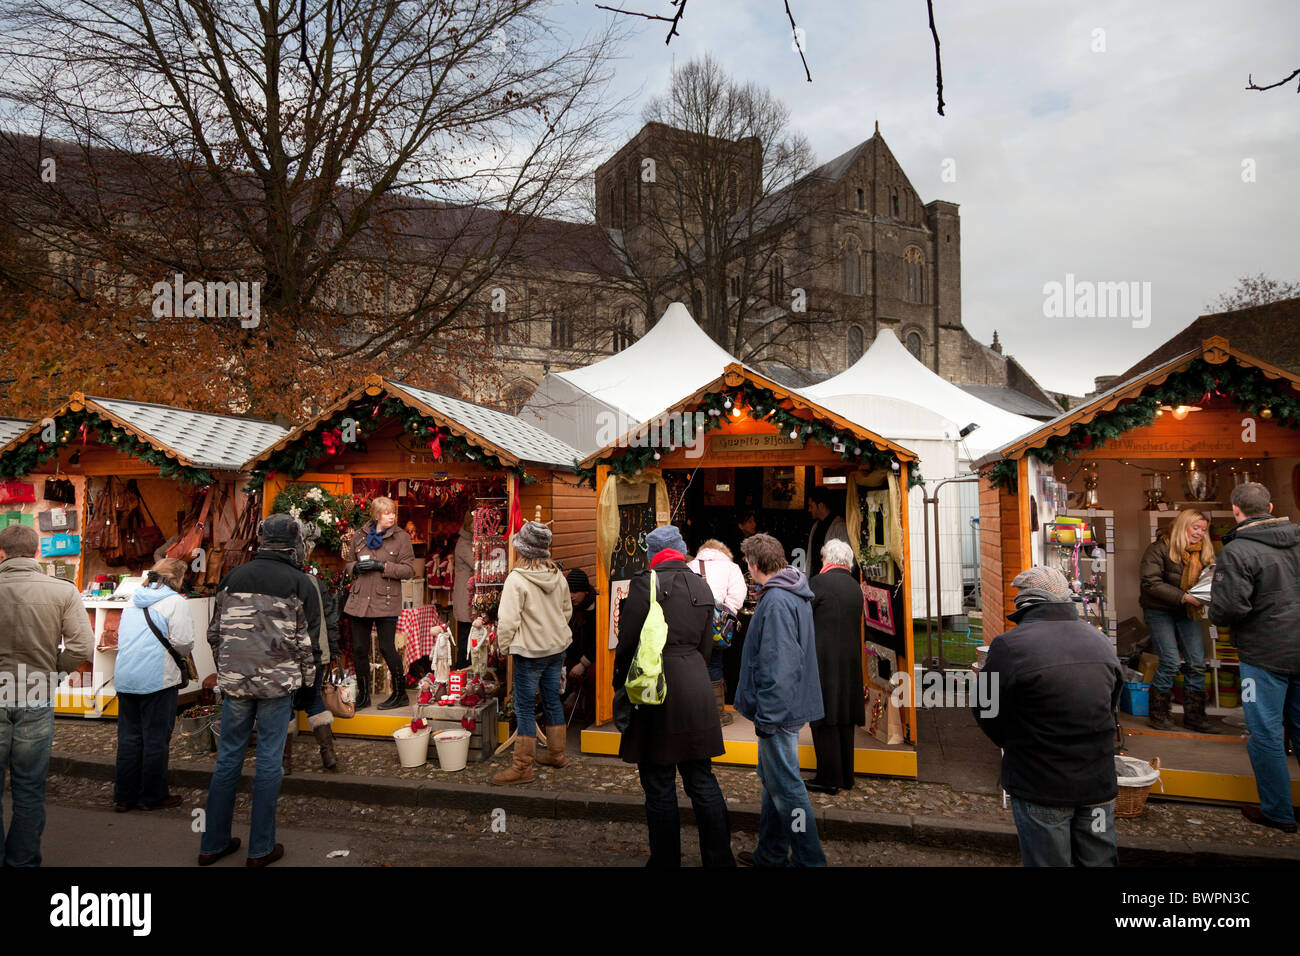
(175, 655)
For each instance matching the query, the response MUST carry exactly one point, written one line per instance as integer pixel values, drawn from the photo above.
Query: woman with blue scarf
(382, 558)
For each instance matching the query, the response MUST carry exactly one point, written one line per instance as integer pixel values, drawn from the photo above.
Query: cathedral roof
(840, 165)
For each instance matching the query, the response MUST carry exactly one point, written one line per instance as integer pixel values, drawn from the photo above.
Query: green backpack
(645, 677)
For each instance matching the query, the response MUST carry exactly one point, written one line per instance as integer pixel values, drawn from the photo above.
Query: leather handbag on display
(57, 519)
(140, 538)
(60, 490)
(17, 493)
(194, 530)
(239, 547)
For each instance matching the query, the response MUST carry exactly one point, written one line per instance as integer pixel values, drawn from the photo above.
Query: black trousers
(387, 629)
(659, 781)
(462, 645)
(144, 734)
(833, 745)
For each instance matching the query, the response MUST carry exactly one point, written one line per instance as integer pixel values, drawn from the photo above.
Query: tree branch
(938, 64)
(794, 31)
(674, 20)
(1250, 79)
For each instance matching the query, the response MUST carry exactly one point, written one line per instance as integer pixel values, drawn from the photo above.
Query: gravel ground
(594, 774)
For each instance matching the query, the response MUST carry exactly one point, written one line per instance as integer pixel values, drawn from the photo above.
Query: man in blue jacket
(779, 692)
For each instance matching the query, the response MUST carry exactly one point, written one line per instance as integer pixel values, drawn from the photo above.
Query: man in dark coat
(837, 618)
(1054, 682)
(779, 691)
(581, 655)
(1256, 592)
(683, 732)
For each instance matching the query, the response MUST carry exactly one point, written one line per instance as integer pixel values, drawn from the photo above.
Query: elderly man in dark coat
(682, 734)
(837, 620)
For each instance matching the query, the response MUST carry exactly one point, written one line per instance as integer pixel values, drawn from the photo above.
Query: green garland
(27, 458)
(717, 406)
(1199, 382)
(368, 414)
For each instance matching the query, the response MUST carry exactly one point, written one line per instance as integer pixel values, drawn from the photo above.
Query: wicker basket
(1132, 801)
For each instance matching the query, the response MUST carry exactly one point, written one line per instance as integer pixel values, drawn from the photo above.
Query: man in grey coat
(1256, 592)
(44, 632)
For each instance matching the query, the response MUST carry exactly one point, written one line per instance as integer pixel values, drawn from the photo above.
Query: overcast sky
(1123, 164)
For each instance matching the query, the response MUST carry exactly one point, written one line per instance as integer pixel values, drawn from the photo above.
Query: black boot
(398, 698)
(1159, 710)
(363, 693)
(1194, 717)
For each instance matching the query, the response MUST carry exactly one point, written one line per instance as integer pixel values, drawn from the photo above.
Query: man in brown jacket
(44, 631)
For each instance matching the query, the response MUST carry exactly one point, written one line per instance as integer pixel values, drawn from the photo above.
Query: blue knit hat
(663, 538)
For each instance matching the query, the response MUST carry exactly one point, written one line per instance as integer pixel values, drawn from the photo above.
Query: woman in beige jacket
(533, 625)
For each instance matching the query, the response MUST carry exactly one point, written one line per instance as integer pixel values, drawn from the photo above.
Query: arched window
(733, 192)
(623, 189)
(697, 304)
(893, 203)
(855, 343)
(914, 344)
(623, 331)
(613, 205)
(861, 201)
(913, 275)
(851, 267)
(516, 396)
(776, 281)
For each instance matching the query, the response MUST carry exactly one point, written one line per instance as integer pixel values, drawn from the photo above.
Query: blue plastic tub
(1134, 698)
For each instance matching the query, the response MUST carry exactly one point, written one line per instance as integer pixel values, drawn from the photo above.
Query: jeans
(1065, 836)
(659, 781)
(317, 705)
(26, 734)
(1272, 699)
(530, 672)
(715, 663)
(1171, 631)
(144, 736)
(237, 715)
(786, 824)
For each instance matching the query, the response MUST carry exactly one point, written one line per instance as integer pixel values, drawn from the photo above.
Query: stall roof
(734, 375)
(194, 439)
(11, 428)
(888, 369)
(1216, 350)
(509, 439)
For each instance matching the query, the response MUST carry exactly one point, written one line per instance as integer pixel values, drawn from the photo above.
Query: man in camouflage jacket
(263, 620)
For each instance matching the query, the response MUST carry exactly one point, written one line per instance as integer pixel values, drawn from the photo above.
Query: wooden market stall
(177, 470)
(744, 440)
(1121, 466)
(438, 458)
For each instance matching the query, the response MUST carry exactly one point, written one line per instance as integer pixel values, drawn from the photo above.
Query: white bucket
(412, 749)
(453, 749)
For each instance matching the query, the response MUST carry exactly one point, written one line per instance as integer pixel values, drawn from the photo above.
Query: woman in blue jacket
(148, 681)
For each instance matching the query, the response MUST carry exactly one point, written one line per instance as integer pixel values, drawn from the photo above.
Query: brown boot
(1194, 717)
(522, 770)
(555, 741)
(1159, 714)
(720, 695)
(325, 737)
(287, 761)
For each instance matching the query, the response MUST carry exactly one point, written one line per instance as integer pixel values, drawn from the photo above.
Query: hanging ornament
(1266, 413)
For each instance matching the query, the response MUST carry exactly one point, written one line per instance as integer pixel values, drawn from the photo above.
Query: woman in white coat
(715, 564)
(147, 679)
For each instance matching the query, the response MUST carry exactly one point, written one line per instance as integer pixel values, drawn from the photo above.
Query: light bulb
(736, 412)
(1181, 412)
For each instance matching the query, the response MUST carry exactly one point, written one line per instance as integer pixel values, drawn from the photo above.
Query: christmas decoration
(337, 516)
(1253, 393)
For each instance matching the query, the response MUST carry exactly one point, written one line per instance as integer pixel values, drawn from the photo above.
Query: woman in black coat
(682, 734)
(837, 619)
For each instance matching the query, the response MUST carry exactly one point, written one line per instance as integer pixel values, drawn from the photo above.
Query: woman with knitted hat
(533, 625)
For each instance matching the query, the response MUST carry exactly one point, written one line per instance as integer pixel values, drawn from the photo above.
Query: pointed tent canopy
(889, 370)
(672, 359)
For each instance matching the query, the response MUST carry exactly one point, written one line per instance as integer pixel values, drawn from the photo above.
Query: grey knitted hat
(1042, 584)
(279, 532)
(663, 537)
(533, 540)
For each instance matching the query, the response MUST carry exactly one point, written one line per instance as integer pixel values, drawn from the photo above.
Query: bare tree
(1254, 290)
(721, 214)
(372, 165)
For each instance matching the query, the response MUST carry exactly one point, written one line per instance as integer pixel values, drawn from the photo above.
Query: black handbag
(185, 664)
(60, 490)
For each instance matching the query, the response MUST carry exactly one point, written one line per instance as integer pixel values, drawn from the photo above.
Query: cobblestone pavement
(408, 836)
(594, 774)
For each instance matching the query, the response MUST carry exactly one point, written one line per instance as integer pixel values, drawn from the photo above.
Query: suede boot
(1194, 716)
(555, 741)
(320, 726)
(1159, 710)
(720, 695)
(522, 769)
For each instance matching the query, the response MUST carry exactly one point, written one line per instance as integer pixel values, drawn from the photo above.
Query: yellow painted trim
(1230, 788)
(744, 753)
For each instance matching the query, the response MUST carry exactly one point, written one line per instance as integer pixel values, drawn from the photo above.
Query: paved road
(82, 830)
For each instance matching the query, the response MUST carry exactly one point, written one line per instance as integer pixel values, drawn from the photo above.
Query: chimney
(1102, 382)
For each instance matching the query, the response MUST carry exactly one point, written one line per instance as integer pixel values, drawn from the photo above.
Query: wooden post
(903, 472)
(604, 658)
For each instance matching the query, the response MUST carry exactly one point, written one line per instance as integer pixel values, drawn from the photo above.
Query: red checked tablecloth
(418, 624)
